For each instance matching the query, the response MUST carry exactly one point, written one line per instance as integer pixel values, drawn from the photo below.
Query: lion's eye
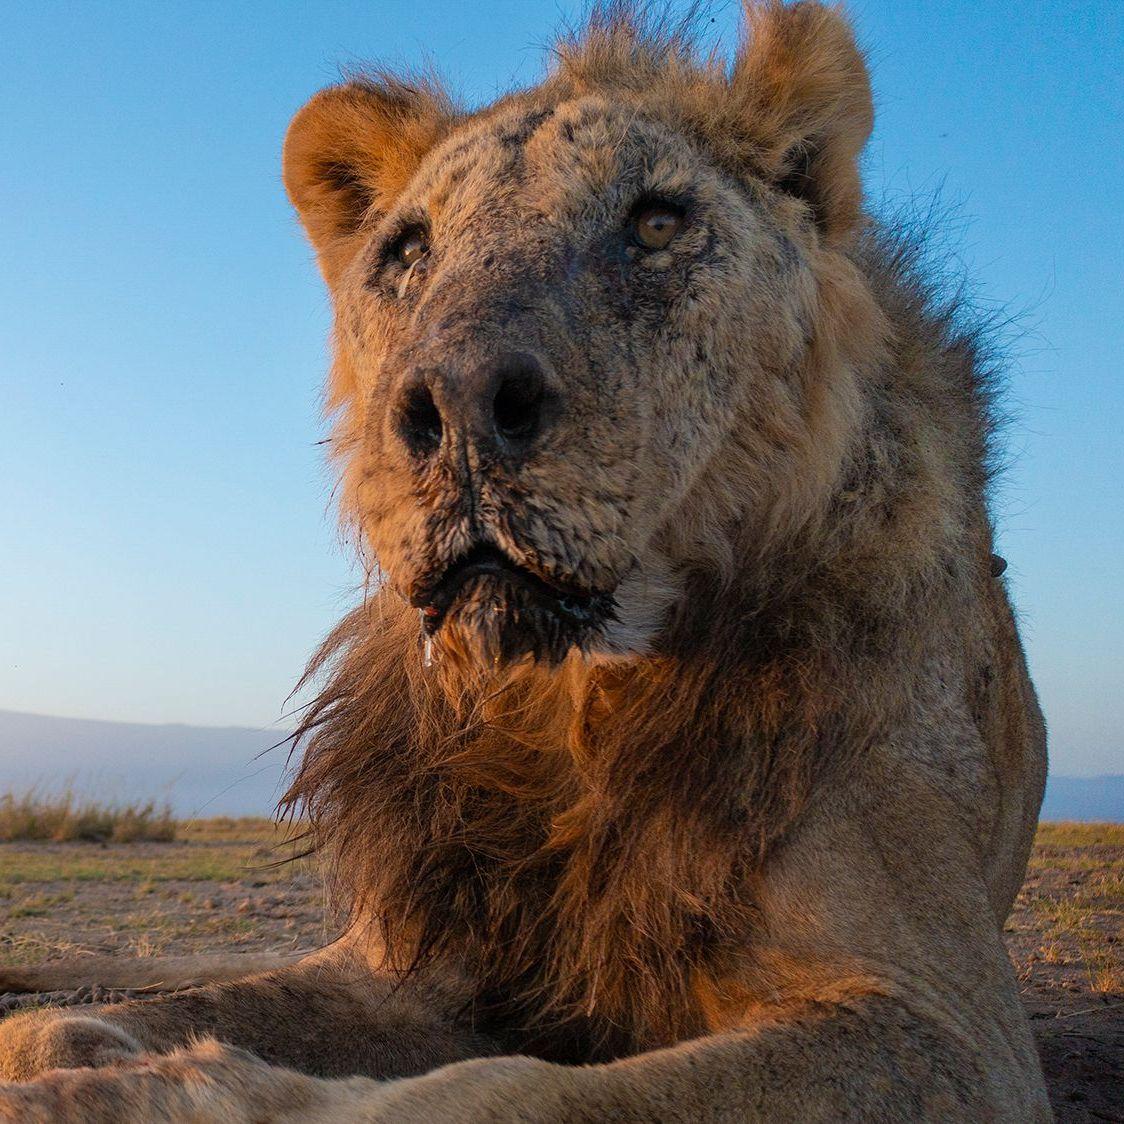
(411, 247)
(656, 225)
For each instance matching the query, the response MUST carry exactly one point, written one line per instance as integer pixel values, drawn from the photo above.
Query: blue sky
(168, 551)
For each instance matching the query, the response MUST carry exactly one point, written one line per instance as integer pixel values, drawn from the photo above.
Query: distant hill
(200, 770)
(1084, 798)
(213, 771)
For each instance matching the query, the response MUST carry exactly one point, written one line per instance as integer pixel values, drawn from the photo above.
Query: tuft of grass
(66, 818)
(1106, 979)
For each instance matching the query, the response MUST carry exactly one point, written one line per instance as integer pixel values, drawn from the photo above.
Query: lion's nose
(501, 405)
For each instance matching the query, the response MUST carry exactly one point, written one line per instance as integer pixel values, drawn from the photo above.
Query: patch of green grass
(67, 818)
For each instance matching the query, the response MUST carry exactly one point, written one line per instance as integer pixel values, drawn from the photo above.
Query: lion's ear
(350, 151)
(802, 91)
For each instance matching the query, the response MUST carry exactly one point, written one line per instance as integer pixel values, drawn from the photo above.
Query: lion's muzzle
(505, 611)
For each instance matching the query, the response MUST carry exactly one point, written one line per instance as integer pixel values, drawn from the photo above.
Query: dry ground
(1066, 938)
(218, 886)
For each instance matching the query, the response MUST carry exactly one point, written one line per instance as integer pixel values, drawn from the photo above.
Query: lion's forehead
(575, 160)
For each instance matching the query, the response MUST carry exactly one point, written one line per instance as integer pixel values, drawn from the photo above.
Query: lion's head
(580, 334)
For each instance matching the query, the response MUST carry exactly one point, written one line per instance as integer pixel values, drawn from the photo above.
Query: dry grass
(222, 883)
(1067, 833)
(231, 829)
(66, 818)
(1069, 918)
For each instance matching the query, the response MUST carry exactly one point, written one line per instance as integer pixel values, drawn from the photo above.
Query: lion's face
(563, 314)
(554, 330)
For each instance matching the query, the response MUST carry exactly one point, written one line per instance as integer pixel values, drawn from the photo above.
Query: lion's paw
(206, 1083)
(38, 1041)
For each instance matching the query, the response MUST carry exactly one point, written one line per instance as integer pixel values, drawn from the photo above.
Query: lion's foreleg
(869, 1060)
(329, 1015)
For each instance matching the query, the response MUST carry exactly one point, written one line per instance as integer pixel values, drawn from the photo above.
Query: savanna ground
(219, 885)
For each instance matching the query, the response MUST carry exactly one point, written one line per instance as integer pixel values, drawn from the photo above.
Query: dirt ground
(1066, 940)
(220, 887)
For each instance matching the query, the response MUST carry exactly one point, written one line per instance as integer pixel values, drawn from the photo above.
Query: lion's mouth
(512, 610)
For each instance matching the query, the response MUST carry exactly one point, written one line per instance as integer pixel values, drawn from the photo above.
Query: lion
(683, 764)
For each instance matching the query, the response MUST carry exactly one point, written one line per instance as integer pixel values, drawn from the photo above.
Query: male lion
(686, 764)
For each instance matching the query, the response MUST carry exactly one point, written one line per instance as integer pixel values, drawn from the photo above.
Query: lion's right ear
(350, 151)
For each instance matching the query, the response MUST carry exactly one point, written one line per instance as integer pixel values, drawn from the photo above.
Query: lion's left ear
(802, 93)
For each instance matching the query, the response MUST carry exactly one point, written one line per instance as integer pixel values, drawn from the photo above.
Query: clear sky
(167, 551)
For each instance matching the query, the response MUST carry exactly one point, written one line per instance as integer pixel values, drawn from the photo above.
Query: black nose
(500, 406)
(418, 420)
(516, 391)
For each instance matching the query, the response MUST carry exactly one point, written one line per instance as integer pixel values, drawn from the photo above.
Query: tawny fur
(747, 852)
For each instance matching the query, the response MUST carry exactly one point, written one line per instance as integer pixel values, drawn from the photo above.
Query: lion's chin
(495, 621)
(487, 608)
